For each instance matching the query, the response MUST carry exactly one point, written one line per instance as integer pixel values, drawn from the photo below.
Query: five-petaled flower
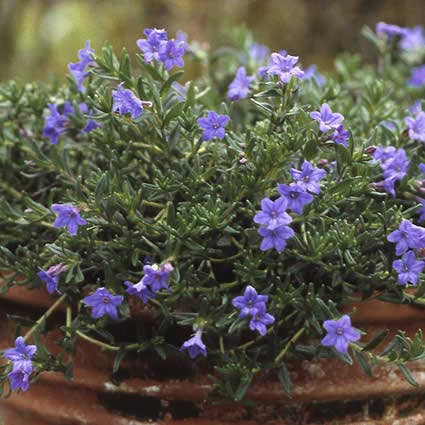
(416, 126)
(68, 216)
(56, 122)
(156, 277)
(407, 236)
(21, 357)
(171, 54)
(78, 69)
(239, 87)
(284, 66)
(273, 213)
(51, 277)
(194, 345)
(340, 334)
(309, 177)
(126, 102)
(213, 125)
(140, 289)
(275, 238)
(408, 268)
(296, 196)
(326, 118)
(249, 302)
(340, 136)
(102, 303)
(151, 45)
(260, 319)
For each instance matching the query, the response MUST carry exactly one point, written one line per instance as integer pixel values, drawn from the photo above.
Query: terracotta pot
(324, 391)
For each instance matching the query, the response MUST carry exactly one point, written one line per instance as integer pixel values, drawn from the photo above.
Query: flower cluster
(21, 357)
(156, 46)
(155, 278)
(407, 238)
(254, 305)
(330, 124)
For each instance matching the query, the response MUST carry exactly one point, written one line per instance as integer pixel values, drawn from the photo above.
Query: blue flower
(126, 102)
(309, 177)
(68, 216)
(340, 334)
(51, 277)
(56, 123)
(421, 211)
(194, 345)
(260, 319)
(388, 30)
(412, 39)
(239, 87)
(19, 378)
(171, 54)
(408, 268)
(285, 67)
(275, 238)
(22, 354)
(140, 289)
(213, 125)
(249, 302)
(258, 52)
(103, 303)
(296, 196)
(407, 236)
(340, 136)
(417, 77)
(396, 167)
(151, 45)
(156, 277)
(312, 73)
(416, 126)
(78, 69)
(273, 213)
(326, 118)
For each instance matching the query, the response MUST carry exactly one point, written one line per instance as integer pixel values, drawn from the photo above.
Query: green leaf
(408, 375)
(376, 340)
(167, 85)
(118, 359)
(362, 361)
(285, 379)
(243, 386)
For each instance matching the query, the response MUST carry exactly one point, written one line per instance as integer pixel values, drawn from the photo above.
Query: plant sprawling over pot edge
(241, 210)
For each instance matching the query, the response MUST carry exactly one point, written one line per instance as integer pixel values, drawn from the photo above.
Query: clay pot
(148, 390)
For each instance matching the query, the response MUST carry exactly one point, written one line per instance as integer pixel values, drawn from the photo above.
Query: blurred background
(38, 38)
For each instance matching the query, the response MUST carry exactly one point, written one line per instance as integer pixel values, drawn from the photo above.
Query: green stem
(289, 343)
(106, 346)
(48, 313)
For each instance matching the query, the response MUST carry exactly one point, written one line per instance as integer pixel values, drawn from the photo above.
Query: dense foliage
(124, 175)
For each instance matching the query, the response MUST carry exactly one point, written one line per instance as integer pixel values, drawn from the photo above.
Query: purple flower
(249, 302)
(416, 126)
(56, 123)
(396, 167)
(408, 268)
(389, 125)
(78, 69)
(388, 30)
(140, 289)
(417, 77)
(19, 378)
(51, 277)
(309, 177)
(326, 118)
(22, 354)
(422, 167)
(312, 73)
(296, 196)
(151, 45)
(407, 236)
(171, 54)
(412, 39)
(275, 238)
(284, 67)
(194, 345)
(416, 107)
(239, 87)
(340, 334)
(258, 52)
(126, 102)
(91, 124)
(68, 216)
(213, 125)
(273, 213)
(384, 154)
(103, 302)
(156, 277)
(340, 136)
(260, 319)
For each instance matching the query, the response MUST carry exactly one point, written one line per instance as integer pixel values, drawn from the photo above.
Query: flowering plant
(244, 210)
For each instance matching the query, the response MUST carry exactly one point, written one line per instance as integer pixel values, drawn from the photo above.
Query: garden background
(38, 38)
